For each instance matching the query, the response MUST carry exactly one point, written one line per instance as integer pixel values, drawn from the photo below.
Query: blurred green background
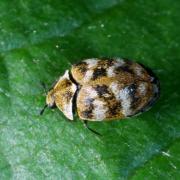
(38, 41)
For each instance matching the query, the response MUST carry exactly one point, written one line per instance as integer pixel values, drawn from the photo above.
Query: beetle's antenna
(42, 111)
(45, 90)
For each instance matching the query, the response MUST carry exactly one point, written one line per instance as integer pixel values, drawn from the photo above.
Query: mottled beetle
(104, 89)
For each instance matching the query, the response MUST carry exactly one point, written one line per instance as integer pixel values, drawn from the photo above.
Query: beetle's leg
(86, 126)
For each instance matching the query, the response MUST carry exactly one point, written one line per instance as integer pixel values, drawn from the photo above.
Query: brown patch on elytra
(114, 107)
(78, 71)
(124, 69)
(98, 72)
(101, 89)
(115, 110)
(140, 72)
(88, 112)
(141, 100)
(82, 67)
(106, 63)
(125, 73)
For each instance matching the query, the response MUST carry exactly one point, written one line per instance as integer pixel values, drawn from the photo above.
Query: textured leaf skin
(39, 41)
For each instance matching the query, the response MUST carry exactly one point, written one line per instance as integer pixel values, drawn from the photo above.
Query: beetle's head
(50, 101)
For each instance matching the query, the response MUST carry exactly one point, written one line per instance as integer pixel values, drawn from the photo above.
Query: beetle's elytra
(104, 89)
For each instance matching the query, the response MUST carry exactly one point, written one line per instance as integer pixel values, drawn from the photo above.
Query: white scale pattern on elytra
(122, 96)
(88, 75)
(90, 93)
(100, 109)
(125, 101)
(115, 89)
(111, 69)
(91, 62)
(119, 62)
(142, 88)
(138, 70)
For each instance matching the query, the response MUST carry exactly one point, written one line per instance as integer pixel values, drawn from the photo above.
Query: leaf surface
(39, 41)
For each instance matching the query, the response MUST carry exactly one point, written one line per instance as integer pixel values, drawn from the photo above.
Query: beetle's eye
(53, 105)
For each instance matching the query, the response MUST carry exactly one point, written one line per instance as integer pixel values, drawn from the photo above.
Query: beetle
(104, 90)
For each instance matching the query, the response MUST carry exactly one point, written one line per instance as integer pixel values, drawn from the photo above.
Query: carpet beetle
(104, 89)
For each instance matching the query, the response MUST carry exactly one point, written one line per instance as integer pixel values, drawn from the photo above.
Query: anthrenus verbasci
(104, 89)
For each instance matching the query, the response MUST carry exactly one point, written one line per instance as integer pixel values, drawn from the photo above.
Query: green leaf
(39, 41)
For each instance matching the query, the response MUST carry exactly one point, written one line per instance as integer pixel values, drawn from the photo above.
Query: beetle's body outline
(104, 89)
